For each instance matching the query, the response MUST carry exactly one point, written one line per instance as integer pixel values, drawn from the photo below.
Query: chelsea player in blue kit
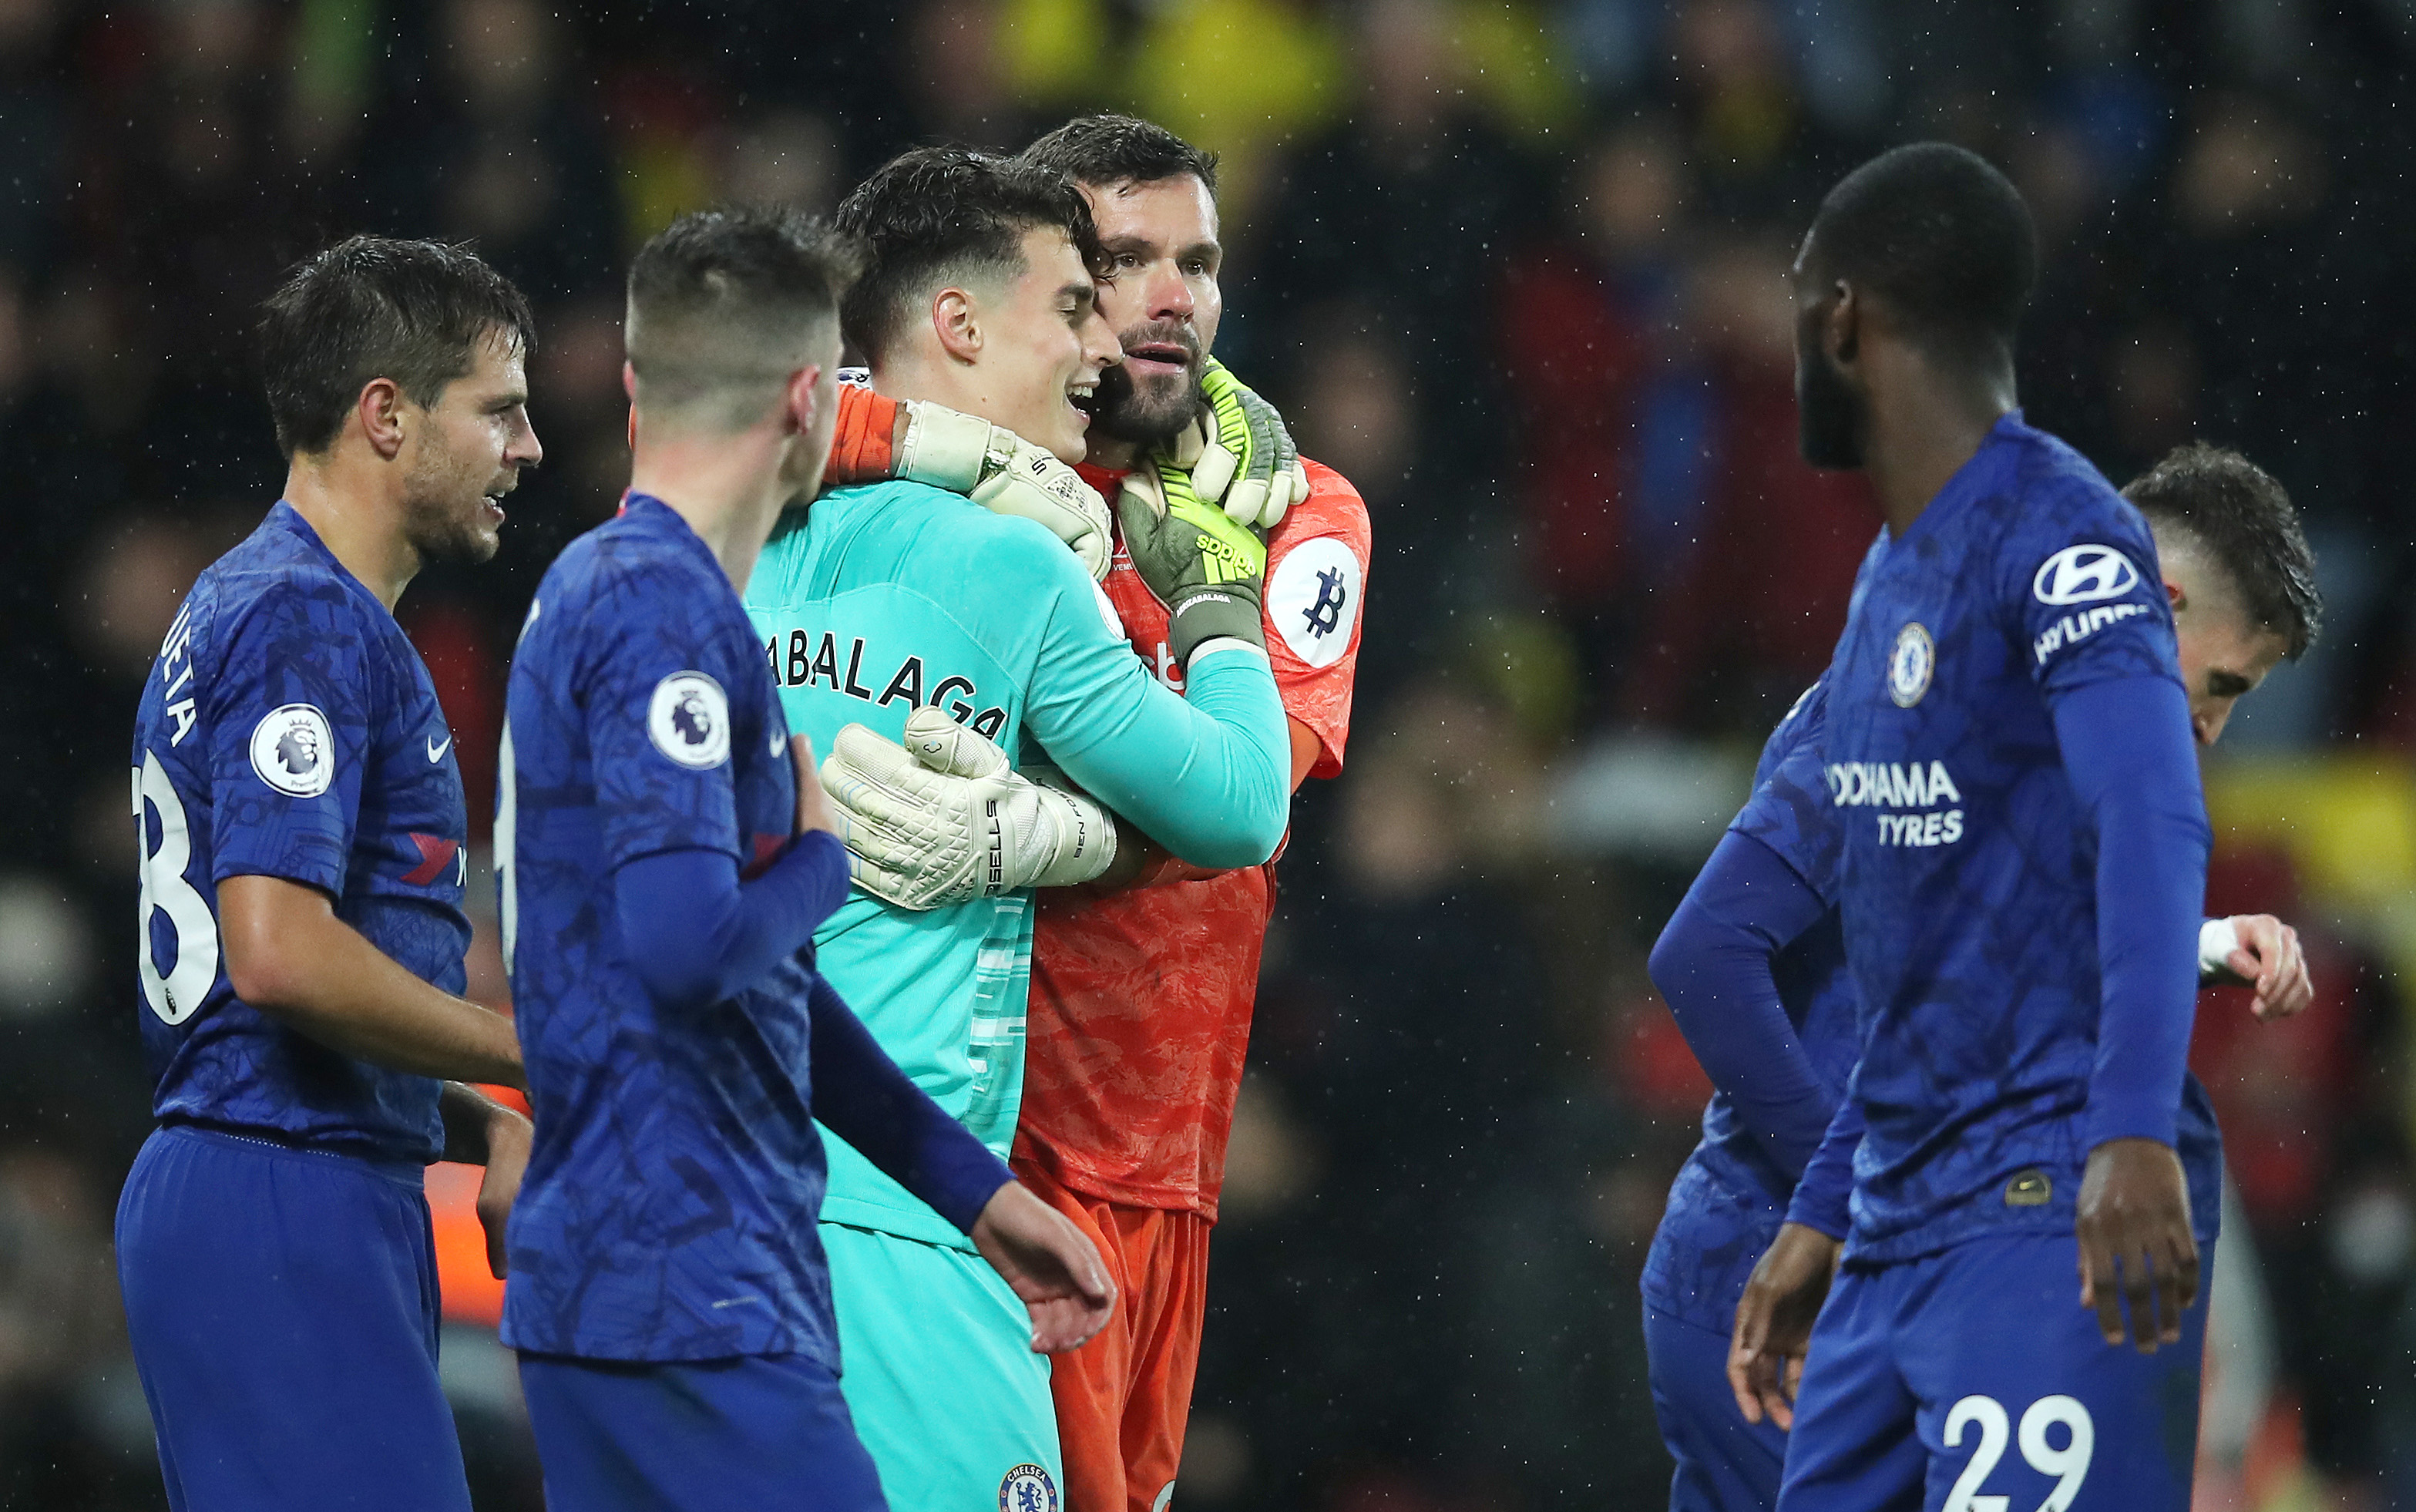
(301, 822)
(1753, 964)
(2023, 853)
(664, 857)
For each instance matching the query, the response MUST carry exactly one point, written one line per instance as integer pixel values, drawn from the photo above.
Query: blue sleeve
(697, 935)
(1713, 965)
(862, 1096)
(2128, 752)
(289, 716)
(1206, 773)
(655, 697)
(1823, 1198)
(2091, 601)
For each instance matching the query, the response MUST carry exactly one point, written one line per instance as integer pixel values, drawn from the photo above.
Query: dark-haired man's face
(1828, 411)
(2224, 653)
(466, 454)
(1044, 348)
(1160, 293)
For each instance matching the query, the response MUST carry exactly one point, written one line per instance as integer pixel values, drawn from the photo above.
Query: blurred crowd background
(1516, 270)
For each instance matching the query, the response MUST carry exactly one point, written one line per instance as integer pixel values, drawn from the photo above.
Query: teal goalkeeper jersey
(884, 598)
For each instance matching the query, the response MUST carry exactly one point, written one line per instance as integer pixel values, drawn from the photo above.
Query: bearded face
(1155, 391)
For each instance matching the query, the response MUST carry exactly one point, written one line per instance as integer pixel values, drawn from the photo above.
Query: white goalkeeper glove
(1005, 475)
(944, 819)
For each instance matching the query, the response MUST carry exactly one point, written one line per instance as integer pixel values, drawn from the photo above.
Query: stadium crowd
(1516, 270)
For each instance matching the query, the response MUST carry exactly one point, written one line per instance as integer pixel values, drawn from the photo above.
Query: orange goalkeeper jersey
(1140, 1000)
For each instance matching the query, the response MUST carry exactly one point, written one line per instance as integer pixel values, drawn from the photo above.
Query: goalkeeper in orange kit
(1142, 979)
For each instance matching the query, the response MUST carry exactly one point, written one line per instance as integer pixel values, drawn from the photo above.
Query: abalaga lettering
(2075, 627)
(801, 661)
(1901, 785)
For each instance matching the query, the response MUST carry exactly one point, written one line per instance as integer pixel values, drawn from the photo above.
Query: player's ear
(1842, 332)
(957, 320)
(380, 411)
(2174, 595)
(804, 403)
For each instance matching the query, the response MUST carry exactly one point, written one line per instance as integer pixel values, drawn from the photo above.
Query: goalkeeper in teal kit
(973, 637)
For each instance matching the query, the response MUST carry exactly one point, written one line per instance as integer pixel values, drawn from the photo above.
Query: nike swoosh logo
(435, 751)
(775, 742)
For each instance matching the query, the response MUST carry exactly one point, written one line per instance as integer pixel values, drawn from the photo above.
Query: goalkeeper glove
(1208, 572)
(944, 820)
(920, 442)
(1239, 453)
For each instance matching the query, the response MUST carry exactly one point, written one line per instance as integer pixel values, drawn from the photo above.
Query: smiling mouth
(1083, 398)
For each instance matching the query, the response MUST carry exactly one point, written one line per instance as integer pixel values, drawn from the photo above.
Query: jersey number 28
(175, 993)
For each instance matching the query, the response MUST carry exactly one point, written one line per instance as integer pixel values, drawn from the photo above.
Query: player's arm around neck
(289, 956)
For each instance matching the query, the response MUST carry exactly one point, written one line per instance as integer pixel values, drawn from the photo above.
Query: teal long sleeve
(1208, 776)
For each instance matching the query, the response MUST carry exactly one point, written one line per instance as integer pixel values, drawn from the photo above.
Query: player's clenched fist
(1773, 1323)
(2260, 951)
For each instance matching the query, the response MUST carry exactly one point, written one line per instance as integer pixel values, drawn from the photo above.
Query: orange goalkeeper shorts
(1124, 1398)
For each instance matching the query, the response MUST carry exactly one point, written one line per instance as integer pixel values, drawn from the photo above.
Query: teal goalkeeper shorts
(936, 1363)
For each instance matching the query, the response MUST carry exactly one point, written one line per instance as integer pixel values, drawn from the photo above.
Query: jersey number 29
(2069, 1465)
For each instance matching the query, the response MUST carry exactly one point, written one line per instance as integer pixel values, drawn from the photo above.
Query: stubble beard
(445, 512)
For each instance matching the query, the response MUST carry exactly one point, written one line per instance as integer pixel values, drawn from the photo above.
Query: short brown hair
(2239, 514)
(373, 307)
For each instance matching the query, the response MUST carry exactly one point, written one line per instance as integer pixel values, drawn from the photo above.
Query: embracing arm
(289, 956)
(1141, 862)
(1205, 773)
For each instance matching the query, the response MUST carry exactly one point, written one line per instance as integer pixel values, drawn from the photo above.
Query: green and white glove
(944, 819)
(1239, 453)
(1209, 571)
(1005, 475)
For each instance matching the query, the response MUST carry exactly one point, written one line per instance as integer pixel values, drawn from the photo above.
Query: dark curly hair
(373, 307)
(935, 215)
(2239, 513)
(1109, 149)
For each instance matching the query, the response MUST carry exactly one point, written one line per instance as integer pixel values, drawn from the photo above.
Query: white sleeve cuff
(1218, 643)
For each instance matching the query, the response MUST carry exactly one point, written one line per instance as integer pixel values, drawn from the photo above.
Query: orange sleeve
(863, 448)
(1317, 573)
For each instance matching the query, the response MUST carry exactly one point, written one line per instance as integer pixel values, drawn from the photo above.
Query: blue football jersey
(289, 729)
(1969, 883)
(1728, 1200)
(669, 1209)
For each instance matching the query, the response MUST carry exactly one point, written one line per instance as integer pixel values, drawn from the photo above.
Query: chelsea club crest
(1027, 1488)
(1910, 665)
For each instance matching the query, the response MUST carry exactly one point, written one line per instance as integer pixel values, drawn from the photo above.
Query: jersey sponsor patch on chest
(1892, 785)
